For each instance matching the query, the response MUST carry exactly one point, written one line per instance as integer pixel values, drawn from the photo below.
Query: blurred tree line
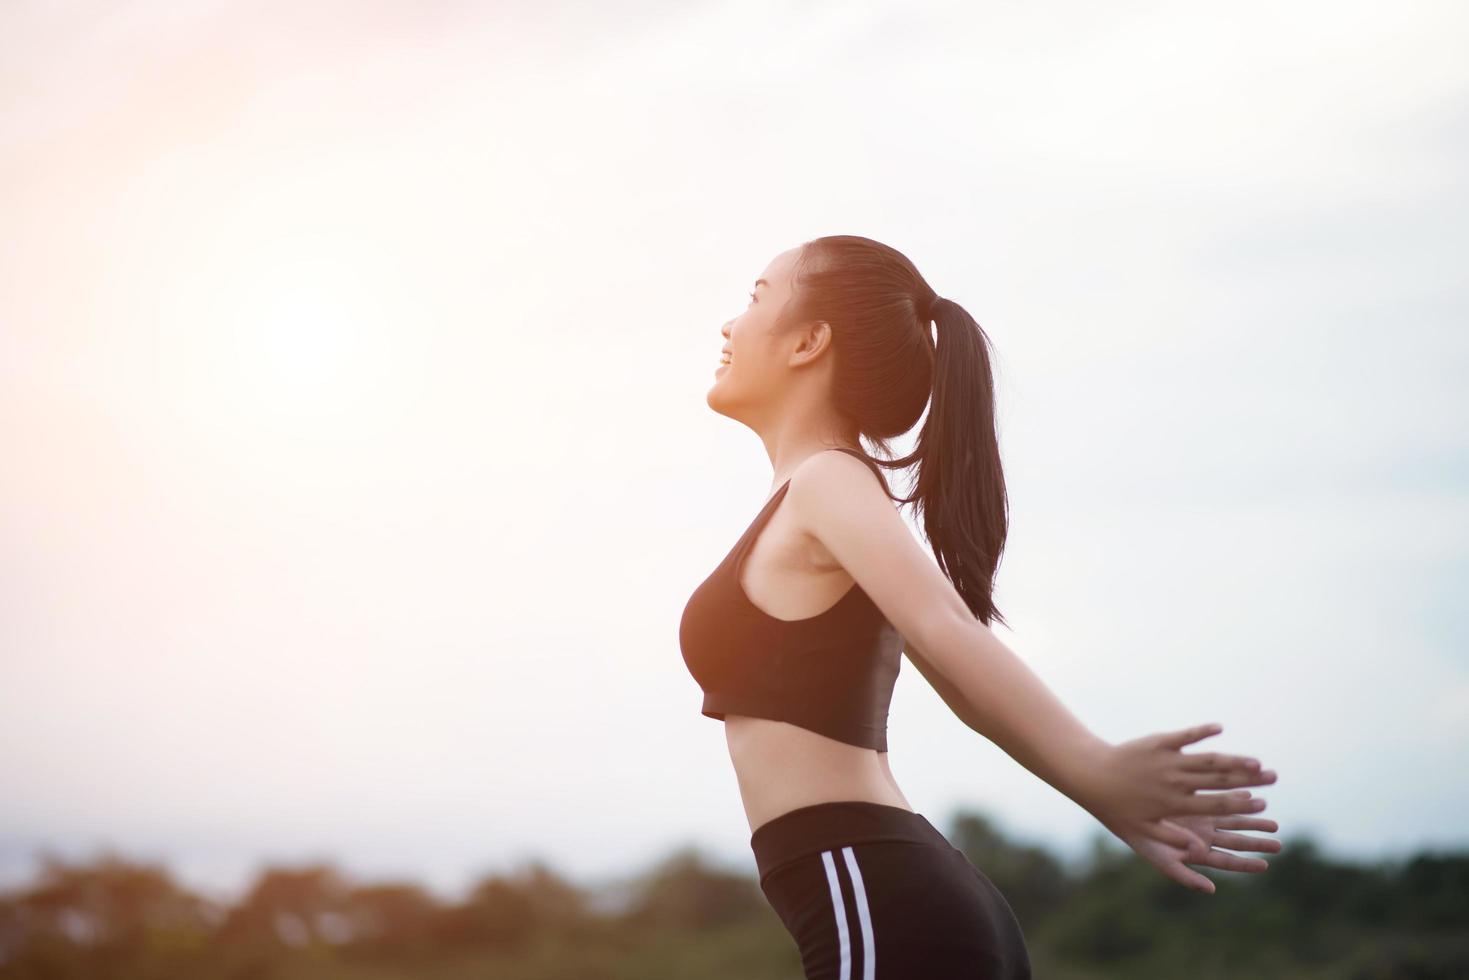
(1113, 916)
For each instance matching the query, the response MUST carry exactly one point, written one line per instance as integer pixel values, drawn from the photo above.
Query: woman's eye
(752, 297)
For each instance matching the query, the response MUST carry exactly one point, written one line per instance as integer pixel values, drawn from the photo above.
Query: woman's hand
(1173, 860)
(1147, 792)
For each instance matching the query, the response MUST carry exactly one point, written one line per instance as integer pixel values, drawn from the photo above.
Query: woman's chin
(715, 397)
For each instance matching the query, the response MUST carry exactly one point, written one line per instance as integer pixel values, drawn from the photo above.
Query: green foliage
(1030, 878)
(684, 893)
(1307, 917)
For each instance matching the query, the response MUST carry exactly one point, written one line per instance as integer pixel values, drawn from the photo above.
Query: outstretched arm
(1127, 787)
(1132, 788)
(996, 694)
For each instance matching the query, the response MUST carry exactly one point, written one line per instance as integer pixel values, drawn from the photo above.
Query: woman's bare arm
(839, 501)
(992, 691)
(1132, 788)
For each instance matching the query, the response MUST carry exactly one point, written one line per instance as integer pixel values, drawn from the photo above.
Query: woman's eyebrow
(760, 282)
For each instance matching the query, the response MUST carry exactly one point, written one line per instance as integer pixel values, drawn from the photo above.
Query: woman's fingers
(1226, 780)
(1239, 842)
(1186, 736)
(1169, 861)
(1222, 804)
(1217, 761)
(1247, 823)
(1178, 836)
(1186, 876)
(1225, 861)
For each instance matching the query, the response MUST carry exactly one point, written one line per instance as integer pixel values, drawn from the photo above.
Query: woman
(797, 635)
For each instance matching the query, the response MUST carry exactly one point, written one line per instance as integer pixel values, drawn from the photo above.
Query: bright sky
(354, 459)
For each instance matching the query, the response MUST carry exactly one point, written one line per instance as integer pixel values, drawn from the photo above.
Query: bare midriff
(781, 766)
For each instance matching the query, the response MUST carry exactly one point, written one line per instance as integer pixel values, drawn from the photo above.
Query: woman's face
(757, 358)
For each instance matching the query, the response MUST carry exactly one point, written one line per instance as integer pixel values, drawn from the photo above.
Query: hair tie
(933, 306)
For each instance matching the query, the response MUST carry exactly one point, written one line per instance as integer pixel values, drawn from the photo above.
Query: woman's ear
(816, 337)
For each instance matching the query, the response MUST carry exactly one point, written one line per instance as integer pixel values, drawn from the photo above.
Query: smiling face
(759, 358)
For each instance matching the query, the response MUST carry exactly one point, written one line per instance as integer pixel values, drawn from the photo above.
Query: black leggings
(875, 892)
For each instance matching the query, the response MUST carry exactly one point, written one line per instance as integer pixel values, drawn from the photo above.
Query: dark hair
(888, 368)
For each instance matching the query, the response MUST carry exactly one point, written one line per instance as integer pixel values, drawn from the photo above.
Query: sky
(355, 464)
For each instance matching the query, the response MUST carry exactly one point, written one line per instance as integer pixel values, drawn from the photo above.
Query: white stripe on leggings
(843, 939)
(869, 954)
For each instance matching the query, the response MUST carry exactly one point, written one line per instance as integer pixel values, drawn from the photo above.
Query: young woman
(796, 637)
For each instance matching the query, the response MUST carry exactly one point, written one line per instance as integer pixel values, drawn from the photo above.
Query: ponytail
(959, 493)
(888, 368)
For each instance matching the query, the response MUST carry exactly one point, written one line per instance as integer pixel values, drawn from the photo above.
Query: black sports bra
(832, 673)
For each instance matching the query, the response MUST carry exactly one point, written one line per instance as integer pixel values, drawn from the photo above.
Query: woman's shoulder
(841, 467)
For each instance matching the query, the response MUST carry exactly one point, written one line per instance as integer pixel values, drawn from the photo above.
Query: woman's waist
(779, 771)
(766, 751)
(797, 833)
(770, 794)
(759, 738)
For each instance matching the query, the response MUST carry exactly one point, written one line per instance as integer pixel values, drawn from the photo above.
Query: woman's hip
(871, 892)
